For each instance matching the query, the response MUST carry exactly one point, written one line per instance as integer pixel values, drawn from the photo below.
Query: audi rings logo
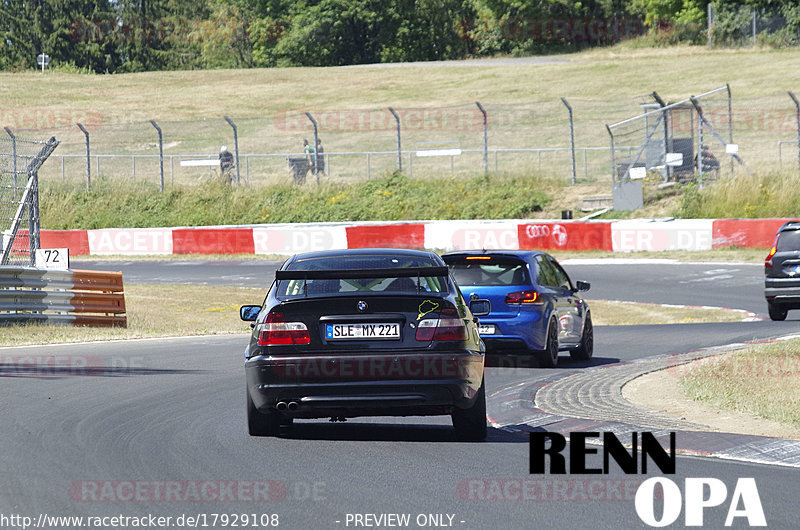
(557, 233)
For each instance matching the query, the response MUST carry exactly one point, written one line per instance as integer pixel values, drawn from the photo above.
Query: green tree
(57, 28)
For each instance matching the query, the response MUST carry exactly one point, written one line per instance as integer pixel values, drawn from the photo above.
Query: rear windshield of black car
(789, 240)
(490, 272)
(383, 284)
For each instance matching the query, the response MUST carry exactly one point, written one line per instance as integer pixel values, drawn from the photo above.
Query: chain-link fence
(730, 24)
(564, 138)
(516, 139)
(684, 140)
(20, 160)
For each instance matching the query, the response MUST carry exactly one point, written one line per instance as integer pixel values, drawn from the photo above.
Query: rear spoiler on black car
(406, 272)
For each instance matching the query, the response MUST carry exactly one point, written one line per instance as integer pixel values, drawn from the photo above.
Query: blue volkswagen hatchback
(535, 308)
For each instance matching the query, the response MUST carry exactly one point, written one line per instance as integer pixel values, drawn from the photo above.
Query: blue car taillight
(529, 297)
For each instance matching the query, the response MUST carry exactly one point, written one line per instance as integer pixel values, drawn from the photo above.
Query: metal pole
(710, 23)
(160, 154)
(485, 138)
(33, 172)
(13, 155)
(662, 104)
(399, 148)
(730, 119)
(571, 137)
(700, 151)
(33, 219)
(88, 157)
(316, 143)
(754, 27)
(613, 162)
(236, 147)
(797, 123)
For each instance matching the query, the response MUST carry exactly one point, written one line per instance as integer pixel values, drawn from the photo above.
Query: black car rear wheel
(548, 358)
(776, 311)
(470, 424)
(584, 351)
(260, 424)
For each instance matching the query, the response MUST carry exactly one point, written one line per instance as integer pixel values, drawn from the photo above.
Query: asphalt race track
(125, 422)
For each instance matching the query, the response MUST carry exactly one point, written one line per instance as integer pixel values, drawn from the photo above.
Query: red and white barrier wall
(616, 236)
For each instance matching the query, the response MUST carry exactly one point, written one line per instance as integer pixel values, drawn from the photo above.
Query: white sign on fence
(52, 258)
(638, 173)
(674, 159)
(731, 149)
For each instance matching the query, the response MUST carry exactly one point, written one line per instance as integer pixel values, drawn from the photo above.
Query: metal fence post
(662, 104)
(235, 147)
(613, 161)
(316, 144)
(399, 147)
(571, 137)
(485, 138)
(710, 24)
(699, 147)
(797, 123)
(730, 120)
(13, 154)
(160, 154)
(88, 158)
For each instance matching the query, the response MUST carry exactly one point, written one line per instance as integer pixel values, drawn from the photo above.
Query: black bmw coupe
(367, 332)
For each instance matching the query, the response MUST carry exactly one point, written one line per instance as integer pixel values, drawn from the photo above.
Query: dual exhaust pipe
(292, 406)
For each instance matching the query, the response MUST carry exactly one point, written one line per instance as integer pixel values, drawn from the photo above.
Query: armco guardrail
(70, 297)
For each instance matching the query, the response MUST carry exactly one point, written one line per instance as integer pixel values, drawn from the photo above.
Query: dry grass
(154, 311)
(615, 313)
(761, 381)
(614, 72)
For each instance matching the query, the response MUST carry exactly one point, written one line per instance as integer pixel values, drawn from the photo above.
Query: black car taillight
(448, 326)
(523, 298)
(276, 331)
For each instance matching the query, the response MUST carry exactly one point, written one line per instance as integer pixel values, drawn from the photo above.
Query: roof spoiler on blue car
(407, 272)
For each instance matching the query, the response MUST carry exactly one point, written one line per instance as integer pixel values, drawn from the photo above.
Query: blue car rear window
(490, 273)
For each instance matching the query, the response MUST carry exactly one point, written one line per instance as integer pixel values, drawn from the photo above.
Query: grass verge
(176, 310)
(616, 313)
(748, 196)
(761, 381)
(394, 197)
